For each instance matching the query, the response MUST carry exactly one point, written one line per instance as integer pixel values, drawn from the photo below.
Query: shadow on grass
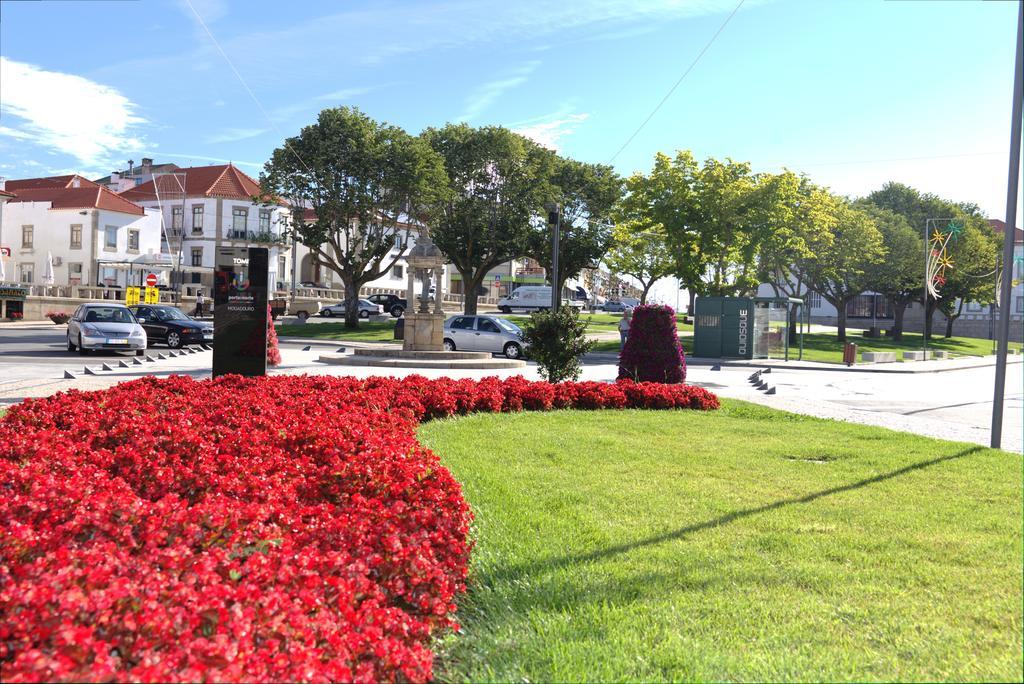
(528, 569)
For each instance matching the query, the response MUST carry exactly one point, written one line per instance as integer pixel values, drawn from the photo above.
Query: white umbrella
(48, 273)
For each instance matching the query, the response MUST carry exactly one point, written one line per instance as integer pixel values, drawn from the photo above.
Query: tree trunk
(899, 308)
(841, 322)
(351, 302)
(471, 281)
(929, 313)
(951, 318)
(647, 288)
(693, 300)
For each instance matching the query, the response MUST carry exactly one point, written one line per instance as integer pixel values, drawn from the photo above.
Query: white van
(531, 298)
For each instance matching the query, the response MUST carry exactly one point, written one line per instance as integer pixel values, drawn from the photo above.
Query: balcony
(256, 237)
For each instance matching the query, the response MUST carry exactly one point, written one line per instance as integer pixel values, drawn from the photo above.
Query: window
(108, 275)
(197, 218)
(177, 217)
(814, 300)
(282, 266)
(1020, 304)
(197, 256)
(76, 236)
(264, 220)
(463, 323)
(74, 274)
(26, 237)
(398, 271)
(110, 237)
(239, 215)
(486, 325)
(133, 241)
(27, 273)
(399, 245)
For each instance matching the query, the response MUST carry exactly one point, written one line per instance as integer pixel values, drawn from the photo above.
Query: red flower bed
(272, 529)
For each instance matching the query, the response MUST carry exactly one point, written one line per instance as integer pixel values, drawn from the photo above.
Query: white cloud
(67, 113)
(484, 96)
(234, 135)
(550, 131)
(334, 98)
(218, 160)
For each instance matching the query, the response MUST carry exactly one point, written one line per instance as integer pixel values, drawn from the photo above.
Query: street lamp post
(554, 220)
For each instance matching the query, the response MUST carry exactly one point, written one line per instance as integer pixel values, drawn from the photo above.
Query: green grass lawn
(763, 546)
(824, 346)
(369, 331)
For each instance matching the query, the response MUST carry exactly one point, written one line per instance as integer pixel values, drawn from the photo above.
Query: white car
(366, 309)
(105, 326)
(484, 333)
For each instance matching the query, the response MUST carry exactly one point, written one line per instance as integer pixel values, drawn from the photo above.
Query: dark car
(393, 304)
(168, 325)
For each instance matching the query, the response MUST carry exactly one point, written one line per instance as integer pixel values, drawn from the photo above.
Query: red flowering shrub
(273, 350)
(262, 529)
(58, 317)
(652, 352)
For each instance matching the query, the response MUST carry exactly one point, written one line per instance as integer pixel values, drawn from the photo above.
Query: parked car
(484, 333)
(105, 326)
(310, 283)
(393, 304)
(168, 325)
(366, 309)
(531, 298)
(615, 307)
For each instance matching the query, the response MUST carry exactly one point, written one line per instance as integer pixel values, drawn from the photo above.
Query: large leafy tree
(900, 275)
(974, 253)
(840, 272)
(587, 193)
(640, 246)
(966, 279)
(803, 217)
(365, 181)
(497, 184)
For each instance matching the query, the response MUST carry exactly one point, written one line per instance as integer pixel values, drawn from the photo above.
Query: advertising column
(240, 311)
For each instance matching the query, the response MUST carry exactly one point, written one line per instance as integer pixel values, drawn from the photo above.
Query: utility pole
(1008, 235)
(555, 221)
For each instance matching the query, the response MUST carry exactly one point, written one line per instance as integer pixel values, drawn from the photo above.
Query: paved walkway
(950, 405)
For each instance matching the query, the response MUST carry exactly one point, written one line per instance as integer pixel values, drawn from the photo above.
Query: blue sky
(852, 92)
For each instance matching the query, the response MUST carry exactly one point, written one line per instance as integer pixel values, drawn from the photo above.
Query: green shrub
(556, 340)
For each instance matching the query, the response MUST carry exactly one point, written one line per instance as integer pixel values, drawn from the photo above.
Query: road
(952, 405)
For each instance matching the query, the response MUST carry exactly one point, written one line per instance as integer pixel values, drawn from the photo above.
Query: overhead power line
(676, 85)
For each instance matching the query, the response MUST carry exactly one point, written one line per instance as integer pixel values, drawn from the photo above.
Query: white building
(205, 207)
(91, 235)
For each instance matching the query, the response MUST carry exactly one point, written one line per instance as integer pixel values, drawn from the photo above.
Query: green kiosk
(746, 327)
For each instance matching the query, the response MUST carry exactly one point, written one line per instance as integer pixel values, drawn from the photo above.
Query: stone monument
(424, 328)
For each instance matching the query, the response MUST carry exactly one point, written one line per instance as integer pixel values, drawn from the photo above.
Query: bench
(878, 357)
(916, 355)
(940, 354)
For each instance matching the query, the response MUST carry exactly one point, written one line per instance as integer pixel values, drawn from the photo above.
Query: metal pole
(924, 300)
(554, 218)
(1008, 236)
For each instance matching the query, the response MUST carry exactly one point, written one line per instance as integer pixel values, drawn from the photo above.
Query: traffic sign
(151, 280)
(152, 295)
(497, 280)
(5, 251)
(131, 296)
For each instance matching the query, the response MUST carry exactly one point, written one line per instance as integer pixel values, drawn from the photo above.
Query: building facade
(82, 232)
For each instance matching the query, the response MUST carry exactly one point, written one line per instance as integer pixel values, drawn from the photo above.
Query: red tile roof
(4, 193)
(223, 180)
(49, 182)
(87, 197)
(998, 226)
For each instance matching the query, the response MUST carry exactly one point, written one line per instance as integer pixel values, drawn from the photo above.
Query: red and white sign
(5, 251)
(151, 280)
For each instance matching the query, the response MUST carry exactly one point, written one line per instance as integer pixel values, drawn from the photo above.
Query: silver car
(484, 333)
(366, 309)
(105, 326)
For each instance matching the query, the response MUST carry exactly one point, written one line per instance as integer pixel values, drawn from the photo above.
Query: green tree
(497, 184)
(641, 251)
(557, 339)
(974, 253)
(900, 275)
(365, 181)
(839, 273)
(803, 216)
(586, 193)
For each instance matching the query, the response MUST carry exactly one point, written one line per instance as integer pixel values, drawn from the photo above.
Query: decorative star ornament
(938, 237)
(955, 229)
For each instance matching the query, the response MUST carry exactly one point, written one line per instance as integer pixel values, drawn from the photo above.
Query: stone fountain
(423, 342)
